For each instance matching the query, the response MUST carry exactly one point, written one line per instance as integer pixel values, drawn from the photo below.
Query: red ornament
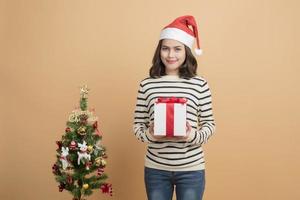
(106, 188)
(68, 129)
(69, 180)
(73, 145)
(95, 126)
(88, 165)
(100, 171)
(55, 169)
(83, 119)
(61, 187)
(59, 144)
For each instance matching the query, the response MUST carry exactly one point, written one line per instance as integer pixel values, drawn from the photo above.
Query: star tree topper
(84, 91)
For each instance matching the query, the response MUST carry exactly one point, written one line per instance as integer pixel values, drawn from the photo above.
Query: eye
(178, 49)
(164, 48)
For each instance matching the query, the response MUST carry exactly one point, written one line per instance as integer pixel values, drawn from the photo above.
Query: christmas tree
(81, 158)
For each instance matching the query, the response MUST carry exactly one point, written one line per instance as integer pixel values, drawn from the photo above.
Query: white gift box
(170, 116)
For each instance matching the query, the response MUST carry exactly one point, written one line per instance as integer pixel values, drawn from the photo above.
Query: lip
(171, 61)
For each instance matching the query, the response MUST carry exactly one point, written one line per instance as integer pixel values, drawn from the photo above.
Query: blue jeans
(160, 184)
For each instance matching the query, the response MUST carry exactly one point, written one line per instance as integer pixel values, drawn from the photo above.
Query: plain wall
(251, 61)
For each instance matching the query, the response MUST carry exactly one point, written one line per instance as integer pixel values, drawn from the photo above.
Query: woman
(175, 163)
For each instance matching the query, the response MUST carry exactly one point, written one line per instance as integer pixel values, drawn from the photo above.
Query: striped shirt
(168, 154)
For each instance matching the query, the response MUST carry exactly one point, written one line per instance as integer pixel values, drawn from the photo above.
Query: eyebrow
(171, 47)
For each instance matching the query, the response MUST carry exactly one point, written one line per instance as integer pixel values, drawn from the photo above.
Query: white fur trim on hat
(198, 52)
(179, 35)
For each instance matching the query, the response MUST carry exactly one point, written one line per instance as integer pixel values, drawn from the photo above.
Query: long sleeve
(206, 121)
(141, 118)
(167, 153)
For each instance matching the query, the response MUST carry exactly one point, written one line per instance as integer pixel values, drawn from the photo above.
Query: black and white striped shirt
(169, 154)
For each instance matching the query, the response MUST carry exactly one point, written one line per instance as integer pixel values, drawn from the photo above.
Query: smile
(171, 61)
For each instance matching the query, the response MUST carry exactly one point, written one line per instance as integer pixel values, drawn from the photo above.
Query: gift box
(170, 116)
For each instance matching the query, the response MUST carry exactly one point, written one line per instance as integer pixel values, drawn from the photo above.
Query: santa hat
(180, 30)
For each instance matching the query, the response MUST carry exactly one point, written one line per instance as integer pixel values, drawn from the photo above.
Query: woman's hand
(151, 131)
(188, 130)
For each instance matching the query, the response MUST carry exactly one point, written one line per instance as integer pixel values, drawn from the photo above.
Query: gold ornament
(85, 186)
(100, 162)
(81, 130)
(90, 148)
(103, 163)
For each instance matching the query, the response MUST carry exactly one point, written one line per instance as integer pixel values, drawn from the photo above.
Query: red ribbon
(95, 125)
(170, 112)
(171, 100)
(170, 119)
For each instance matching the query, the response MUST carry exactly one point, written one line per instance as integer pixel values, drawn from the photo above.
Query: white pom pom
(198, 52)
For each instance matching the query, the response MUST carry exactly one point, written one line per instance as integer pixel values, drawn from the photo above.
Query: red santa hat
(180, 30)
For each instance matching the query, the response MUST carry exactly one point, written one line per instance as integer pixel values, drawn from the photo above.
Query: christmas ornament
(100, 171)
(95, 126)
(90, 148)
(103, 163)
(55, 169)
(83, 153)
(77, 115)
(98, 148)
(103, 154)
(72, 145)
(73, 117)
(81, 130)
(83, 118)
(84, 91)
(85, 186)
(63, 157)
(69, 179)
(68, 129)
(59, 144)
(100, 162)
(106, 188)
(61, 187)
(88, 165)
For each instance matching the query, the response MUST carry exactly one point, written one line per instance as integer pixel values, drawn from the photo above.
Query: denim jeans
(188, 185)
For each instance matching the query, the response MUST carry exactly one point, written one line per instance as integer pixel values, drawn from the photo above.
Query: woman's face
(172, 54)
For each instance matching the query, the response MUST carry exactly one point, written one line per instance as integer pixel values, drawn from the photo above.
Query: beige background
(251, 60)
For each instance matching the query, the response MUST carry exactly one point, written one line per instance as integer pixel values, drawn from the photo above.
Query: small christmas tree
(80, 163)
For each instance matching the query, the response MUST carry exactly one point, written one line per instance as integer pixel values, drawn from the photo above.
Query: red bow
(171, 100)
(106, 188)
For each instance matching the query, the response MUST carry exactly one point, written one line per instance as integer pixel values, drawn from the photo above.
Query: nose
(171, 53)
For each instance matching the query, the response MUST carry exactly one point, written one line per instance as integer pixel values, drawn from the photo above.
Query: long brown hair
(187, 70)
